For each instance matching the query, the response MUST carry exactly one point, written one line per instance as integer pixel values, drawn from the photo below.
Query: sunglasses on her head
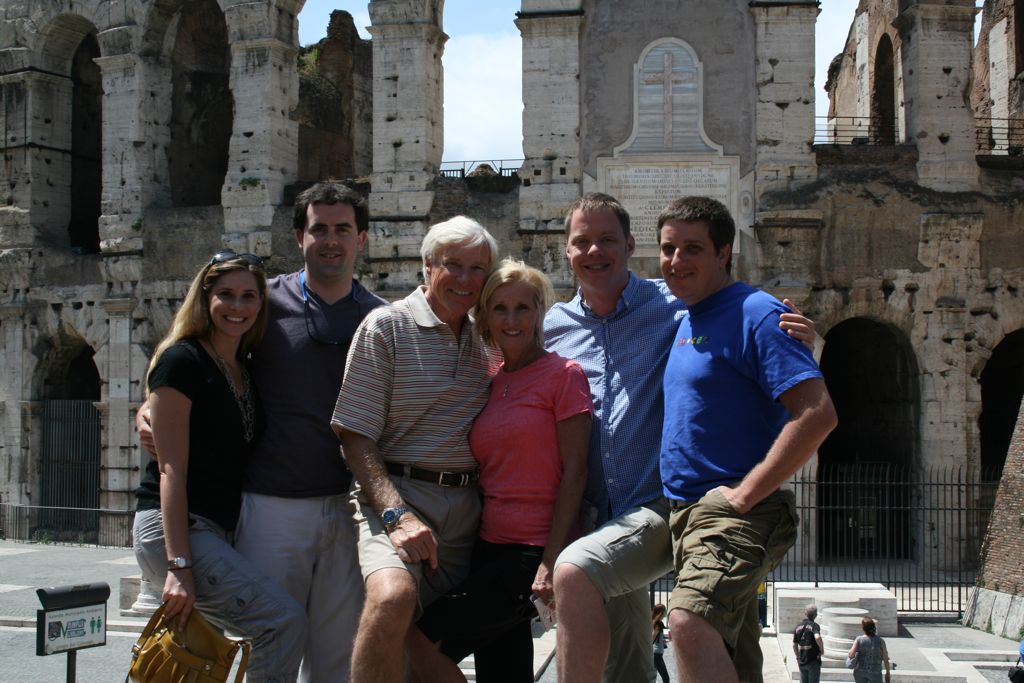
(224, 256)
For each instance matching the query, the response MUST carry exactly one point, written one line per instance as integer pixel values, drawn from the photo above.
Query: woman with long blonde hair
(206, 417)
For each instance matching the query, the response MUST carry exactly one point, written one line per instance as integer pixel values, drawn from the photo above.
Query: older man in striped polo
(416, 377)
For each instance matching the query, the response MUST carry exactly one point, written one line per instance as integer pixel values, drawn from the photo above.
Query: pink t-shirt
(515, 440)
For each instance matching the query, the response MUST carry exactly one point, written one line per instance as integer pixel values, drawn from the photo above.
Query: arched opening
(883, 95)
(1002, 386)
(202, 108)
(865, 464)
(69, 458)
(86, 147)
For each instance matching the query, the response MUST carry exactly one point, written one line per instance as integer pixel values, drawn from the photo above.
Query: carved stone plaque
(646, 185)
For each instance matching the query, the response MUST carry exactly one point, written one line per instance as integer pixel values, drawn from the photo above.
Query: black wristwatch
(390, 517)
(178, 562)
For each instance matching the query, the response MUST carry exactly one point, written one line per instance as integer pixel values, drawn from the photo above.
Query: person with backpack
(807, 646)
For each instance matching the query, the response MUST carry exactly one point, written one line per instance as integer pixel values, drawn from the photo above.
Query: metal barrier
(505, 168)
(918, 533)
(853, 130)
(1000, 137)
(75, 526)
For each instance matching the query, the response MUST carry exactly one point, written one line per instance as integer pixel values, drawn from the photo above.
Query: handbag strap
(246, 647)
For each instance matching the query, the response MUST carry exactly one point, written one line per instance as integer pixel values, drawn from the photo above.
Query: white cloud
(483, 110)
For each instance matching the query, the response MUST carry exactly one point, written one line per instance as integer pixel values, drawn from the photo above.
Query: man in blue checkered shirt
(619, 328)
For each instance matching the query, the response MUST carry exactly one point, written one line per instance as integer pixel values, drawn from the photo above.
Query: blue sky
(483, 89)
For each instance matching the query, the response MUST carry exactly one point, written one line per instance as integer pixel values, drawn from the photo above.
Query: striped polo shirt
(414, 389)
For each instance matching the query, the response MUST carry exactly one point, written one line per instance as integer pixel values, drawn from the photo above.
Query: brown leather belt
(447, 479)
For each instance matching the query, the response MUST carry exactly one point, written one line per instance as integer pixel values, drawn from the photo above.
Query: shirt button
(611, 481)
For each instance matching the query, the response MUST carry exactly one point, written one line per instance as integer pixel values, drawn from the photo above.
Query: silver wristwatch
(178, 562)
(390, 517)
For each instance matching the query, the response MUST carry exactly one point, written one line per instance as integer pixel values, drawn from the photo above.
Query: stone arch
(54, 164)
(872, 374)
(202, 106)
(1002, 386)
(883, 93)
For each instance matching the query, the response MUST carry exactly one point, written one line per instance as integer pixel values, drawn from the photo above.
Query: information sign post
(72, 618)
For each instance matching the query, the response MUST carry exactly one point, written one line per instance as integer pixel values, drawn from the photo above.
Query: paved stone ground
(922, 652)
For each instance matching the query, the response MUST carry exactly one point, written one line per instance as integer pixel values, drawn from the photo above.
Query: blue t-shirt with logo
(728, 366)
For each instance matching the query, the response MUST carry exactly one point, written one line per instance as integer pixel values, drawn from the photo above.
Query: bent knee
(569, 577)
(390, 592)
(692, 629)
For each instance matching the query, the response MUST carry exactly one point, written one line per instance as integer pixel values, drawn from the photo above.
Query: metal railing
(63, 525)
(853, 130)
(505, 168)
(918, 533)
(1000, 137)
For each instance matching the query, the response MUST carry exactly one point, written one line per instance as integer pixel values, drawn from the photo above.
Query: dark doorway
(86, 147)
(872, 376)
(202, 106)
(69, 462)
(1002, 386)
(883, 95)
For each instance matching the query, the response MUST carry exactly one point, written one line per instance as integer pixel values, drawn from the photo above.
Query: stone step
(1002, 656)
(907, 676)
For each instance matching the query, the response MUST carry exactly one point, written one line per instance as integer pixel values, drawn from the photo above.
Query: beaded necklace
(244, 398)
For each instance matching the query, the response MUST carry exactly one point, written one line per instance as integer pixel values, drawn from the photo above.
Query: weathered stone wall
(613, 39)
(997, 602)
(997, 94)
(335, 110)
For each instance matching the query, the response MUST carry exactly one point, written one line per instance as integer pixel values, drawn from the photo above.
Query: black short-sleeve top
(217, 448)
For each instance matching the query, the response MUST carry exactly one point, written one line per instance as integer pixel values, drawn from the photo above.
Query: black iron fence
(78, 526)
(1000, 137)
(853, 130)
(917, 532)
(505, 168)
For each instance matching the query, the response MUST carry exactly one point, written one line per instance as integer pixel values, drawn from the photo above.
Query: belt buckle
(461, 479)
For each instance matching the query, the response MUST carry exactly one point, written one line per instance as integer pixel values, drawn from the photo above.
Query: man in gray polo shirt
(296, 521)
(417, 375)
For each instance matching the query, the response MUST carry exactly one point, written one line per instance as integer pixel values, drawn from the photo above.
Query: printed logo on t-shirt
(694, 341)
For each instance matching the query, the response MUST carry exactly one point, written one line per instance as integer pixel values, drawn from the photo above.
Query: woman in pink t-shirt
(531, 442)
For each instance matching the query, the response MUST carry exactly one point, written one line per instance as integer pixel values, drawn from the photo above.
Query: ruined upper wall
(849, 92)
(335, 111)
(997, 91)
(721, 33)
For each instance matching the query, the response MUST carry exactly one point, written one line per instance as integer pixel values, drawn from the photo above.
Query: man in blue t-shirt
(745, 407)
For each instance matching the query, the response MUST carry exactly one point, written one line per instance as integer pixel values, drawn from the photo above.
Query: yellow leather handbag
(199, 653)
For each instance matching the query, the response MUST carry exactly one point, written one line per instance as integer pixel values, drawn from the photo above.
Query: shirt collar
(422, 313)
(626, 299)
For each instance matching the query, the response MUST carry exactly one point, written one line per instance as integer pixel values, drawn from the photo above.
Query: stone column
(119, 453)
(785, 93)
(949, 247)
(37, 170)
(136, 110)
(263, 153)
(13, 463)
(937, 54)
(551, 171)
(408, 132)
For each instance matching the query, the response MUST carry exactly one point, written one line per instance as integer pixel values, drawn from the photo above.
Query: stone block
(792, 598)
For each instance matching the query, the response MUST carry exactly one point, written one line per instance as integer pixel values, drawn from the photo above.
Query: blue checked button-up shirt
(623, 356)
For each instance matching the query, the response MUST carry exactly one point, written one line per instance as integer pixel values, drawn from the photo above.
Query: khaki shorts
(621, 558)
(721, 557)
(452, 513)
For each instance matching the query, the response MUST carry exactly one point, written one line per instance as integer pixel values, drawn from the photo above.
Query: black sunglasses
(224, 256)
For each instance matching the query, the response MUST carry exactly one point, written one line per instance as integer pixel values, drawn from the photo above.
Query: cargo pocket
(228, 588)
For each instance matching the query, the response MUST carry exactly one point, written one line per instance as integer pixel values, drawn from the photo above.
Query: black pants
(489, 614)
